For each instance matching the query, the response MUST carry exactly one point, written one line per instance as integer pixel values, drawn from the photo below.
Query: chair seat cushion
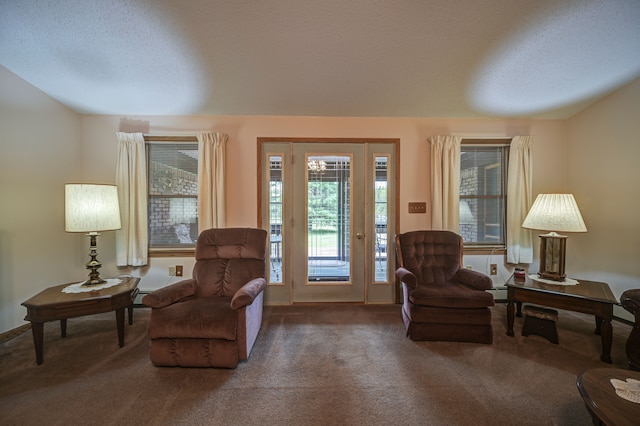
(450, 295)
(202, 318)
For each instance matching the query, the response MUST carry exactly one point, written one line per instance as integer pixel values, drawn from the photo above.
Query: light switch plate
(417, 207)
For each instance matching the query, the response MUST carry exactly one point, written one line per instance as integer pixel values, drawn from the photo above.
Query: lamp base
(552, 256)
(94, 264)
(551, 276)
(91, 282)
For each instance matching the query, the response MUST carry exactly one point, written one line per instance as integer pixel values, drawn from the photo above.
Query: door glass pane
(328, 218)
(381, 223)
(276, 245)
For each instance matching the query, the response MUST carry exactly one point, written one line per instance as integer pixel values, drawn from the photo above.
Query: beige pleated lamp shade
(91, 208)
(555, 212)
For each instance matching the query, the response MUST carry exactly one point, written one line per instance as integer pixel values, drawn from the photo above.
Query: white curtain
(131, 179)
(445, 183)
(519, 198)
(211, 180)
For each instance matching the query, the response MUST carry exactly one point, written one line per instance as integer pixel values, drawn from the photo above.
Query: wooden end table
(588, 297)
(53, 305)
(603, 404)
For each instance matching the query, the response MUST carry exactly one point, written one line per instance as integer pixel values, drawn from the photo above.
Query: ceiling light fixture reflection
(317, 166)
(130, 34)
(576, 54)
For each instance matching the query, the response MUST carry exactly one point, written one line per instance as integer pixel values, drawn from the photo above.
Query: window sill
(173, 252)
(485, 250)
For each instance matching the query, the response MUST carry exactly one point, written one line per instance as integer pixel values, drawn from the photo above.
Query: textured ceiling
(429, 58)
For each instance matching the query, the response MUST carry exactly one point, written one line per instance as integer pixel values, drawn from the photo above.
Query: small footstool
(541, 322)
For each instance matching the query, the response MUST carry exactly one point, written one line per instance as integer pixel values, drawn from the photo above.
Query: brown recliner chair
(442, 300)
(212, 319)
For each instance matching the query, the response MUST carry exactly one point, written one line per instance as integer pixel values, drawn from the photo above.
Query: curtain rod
(486, 145)
(171, 138)
(486, 141)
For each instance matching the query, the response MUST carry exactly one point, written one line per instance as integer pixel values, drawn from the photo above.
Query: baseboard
(499, 294)
(138, 300)
(8, 335)
(619, 314)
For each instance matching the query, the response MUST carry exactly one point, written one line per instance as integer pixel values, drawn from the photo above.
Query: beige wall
(40, 151)
(98, 135)
(44, 145)
(604, 174)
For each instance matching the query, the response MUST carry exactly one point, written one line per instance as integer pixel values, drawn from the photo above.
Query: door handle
(359, 235)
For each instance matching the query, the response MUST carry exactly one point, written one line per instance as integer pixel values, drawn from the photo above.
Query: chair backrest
(228, 258)
(432, 256)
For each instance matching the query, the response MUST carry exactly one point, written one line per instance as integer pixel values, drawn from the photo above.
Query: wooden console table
(588, 297)
(53, 305)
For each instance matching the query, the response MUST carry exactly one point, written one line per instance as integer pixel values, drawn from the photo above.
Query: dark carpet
(312, 365)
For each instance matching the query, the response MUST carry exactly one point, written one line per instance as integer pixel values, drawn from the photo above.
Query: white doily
(567, 281)
(79, 288)
(629, 390)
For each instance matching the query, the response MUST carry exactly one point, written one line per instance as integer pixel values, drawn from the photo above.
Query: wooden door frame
(395, 142)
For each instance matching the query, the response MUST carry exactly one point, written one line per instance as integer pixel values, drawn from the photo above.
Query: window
(483, 192)
(173, 195)
(276, 216)
(381, 218)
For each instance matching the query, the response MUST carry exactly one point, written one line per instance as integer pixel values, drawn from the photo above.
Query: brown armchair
(442, 300)
(630, 300)
(212, 319)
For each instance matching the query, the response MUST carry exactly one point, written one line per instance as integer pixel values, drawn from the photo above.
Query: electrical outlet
(494, 269)
(172, 271)
(178, 270)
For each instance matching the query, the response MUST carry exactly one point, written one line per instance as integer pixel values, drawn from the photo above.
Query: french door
(328, 246)
(329, 208)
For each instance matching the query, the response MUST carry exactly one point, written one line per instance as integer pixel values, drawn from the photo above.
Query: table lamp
(92, 208)
(555, 213)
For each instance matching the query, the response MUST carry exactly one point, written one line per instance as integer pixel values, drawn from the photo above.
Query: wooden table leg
(130, 309)
(598, 329)
(120, 324)
(37, 330)
(510, 315)
(63, 327)
(594, 417)
(607, 337)
(134, 294)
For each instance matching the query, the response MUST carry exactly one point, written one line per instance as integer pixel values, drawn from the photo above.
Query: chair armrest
(173, 293)
(630, 300)
(407, 277)
(474, 279)
(247, 293)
